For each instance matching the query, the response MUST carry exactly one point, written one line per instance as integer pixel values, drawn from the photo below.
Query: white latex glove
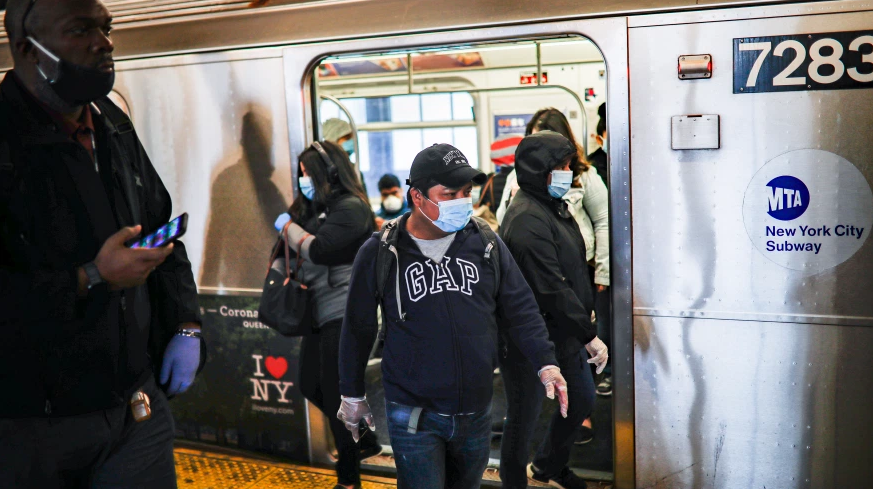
(551, 377)
(352, 411)
(599, 353)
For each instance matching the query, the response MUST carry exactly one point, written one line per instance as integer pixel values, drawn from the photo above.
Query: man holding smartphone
(87, 323)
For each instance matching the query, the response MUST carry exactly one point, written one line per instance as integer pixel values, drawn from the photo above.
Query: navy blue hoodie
(442, 357)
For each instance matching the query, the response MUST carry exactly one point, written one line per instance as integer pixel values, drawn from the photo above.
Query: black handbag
(285, 301)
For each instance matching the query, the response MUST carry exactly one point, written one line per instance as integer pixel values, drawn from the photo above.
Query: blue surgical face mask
(454, 214)
(307, 188)
(561, 181)
(604, 147)
(349, 146)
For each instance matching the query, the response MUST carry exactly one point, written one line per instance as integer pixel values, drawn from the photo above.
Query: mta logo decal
(788, 198)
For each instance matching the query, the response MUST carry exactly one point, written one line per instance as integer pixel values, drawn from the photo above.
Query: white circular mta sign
(808, 210)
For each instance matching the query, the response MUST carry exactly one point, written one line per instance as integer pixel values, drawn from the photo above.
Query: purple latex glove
(281, 221)
(180, 364)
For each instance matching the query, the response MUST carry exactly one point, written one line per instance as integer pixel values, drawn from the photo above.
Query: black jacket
(598, 160)
(61, 354)
(339, 229)
(548, 246)
(442, 356)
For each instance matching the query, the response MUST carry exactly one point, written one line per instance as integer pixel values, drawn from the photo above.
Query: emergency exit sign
(531, 78)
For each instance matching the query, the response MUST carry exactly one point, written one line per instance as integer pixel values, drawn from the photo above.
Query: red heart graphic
(277, 366)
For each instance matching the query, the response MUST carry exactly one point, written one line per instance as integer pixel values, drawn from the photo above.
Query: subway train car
(739, 174)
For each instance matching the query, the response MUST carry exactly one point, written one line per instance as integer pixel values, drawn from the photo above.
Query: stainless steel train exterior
(732, 366)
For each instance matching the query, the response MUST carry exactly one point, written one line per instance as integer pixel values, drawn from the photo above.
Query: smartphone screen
(165, 234)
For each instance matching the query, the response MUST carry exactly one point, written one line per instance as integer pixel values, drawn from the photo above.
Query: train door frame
(610, 36)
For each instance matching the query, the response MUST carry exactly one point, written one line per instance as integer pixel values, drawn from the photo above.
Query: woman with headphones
(330, 220)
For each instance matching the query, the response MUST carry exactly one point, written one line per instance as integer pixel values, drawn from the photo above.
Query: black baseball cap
(446, 165)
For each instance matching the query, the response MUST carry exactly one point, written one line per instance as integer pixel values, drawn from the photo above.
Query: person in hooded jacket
(588, 202)
(439, 310)
(545, 241)
(331, 220)
(340, 132)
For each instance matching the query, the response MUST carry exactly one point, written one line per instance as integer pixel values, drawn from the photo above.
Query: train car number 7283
(828, 61)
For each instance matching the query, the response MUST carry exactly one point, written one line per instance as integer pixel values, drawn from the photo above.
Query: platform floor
(197, 469)
(206, 469)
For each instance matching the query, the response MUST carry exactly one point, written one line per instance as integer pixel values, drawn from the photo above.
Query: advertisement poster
(423, 62)
(246, 397)
(510, 124)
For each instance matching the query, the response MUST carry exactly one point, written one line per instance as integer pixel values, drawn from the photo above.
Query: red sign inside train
(531, 78)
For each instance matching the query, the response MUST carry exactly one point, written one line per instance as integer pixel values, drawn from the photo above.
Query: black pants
(603, 311)
(319, 383)
(105, 449)
(524, 398)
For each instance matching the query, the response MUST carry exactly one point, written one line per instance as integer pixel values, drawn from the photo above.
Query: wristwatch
(93, 274)
(191, 333)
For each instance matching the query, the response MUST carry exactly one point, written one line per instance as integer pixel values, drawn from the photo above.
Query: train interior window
(390, 106)
(393, 129)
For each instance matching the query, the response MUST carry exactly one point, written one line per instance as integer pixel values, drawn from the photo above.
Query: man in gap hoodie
(440, 307)
(547, 245)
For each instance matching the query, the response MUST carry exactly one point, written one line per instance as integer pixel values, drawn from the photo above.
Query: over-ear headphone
(332, 172)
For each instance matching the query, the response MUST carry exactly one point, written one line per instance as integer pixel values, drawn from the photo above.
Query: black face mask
(76, 85)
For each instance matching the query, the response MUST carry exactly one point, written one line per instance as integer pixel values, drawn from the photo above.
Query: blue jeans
(524, 398)
(444, 452)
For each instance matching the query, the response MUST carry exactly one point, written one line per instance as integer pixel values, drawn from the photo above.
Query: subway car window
(392, 130)
(483, 100)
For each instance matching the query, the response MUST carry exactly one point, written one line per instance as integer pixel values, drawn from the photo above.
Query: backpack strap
(119, 120)
(129, 173)
(386, 252)
(492, 253)
(487, 191)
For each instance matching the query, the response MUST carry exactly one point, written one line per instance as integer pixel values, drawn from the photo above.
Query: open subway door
(752, 309)
(403, 96)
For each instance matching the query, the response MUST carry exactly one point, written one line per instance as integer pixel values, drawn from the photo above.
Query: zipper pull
(123, 302)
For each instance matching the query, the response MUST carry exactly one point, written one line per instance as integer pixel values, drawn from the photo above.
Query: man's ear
(26, 50)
